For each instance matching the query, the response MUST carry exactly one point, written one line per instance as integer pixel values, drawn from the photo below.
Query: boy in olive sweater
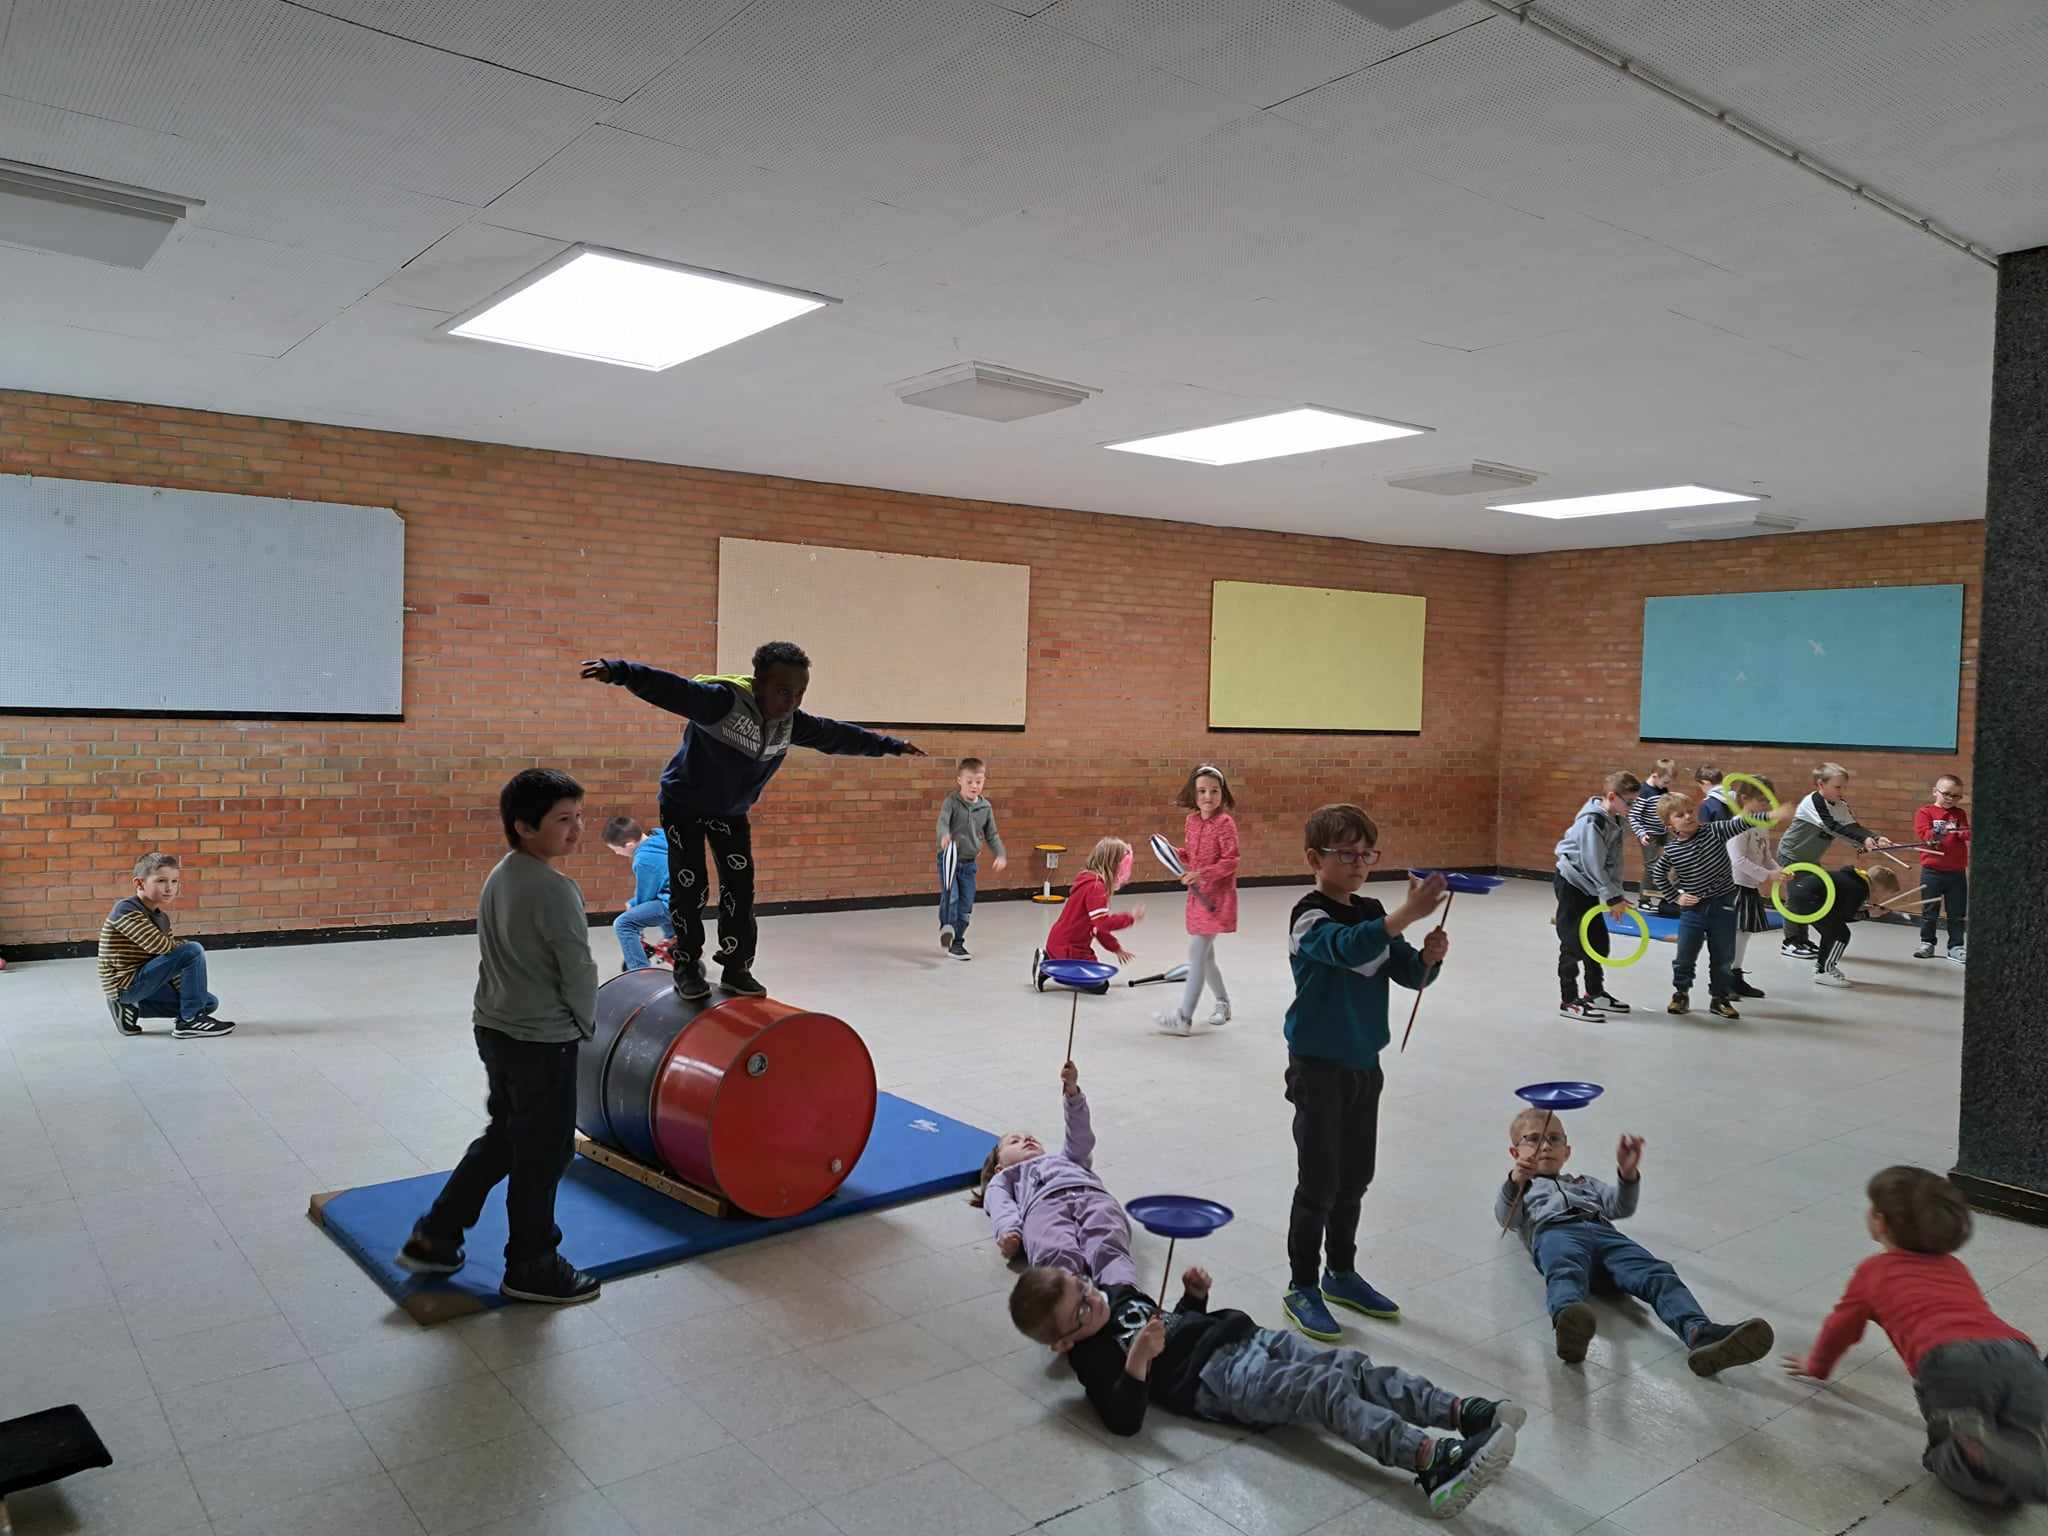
(536, 1002)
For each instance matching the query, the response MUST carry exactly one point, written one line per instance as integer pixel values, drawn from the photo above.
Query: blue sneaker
(1348, 1290)
(1311, 1316)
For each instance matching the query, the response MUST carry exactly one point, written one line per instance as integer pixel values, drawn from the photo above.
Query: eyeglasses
(1366, 856)
(1538, 1143)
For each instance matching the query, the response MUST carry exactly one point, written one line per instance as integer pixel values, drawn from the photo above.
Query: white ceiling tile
(608, 47)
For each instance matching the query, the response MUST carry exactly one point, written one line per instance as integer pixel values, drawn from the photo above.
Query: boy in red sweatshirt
(1981, 1386)
(1944, 868)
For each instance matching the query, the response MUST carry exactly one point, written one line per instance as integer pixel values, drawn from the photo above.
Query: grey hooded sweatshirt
(1547, 1200)
(1589, 854)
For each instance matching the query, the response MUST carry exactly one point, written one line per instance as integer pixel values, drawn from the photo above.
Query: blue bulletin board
(1837, 667)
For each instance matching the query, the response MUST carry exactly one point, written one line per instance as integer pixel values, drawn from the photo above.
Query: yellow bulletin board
(1314, 659)
(894, 639)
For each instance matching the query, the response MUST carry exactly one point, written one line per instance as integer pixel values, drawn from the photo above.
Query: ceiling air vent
(1465, 479)
(990, 393)
(1740, 523)
(50, 210)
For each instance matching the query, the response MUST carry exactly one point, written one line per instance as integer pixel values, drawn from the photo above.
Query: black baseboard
(2008, 1200)
(75, 949)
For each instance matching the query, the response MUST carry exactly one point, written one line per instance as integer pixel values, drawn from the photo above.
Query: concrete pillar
(2002, 1161)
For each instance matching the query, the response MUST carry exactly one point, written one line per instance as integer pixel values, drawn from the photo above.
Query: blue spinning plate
(1178, 1215)
(1560, 1095)
(1471, 885)
(1078, 973)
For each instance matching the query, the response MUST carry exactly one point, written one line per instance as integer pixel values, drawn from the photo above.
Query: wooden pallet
(708, 1201)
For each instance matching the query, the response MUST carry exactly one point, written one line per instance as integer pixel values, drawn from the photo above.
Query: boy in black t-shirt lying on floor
(1222, 1366)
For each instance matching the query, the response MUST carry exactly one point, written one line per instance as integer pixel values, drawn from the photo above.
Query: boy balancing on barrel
(536, 1001)
(740, 730)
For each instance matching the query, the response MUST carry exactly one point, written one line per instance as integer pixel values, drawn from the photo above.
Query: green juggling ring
(1778, 896)
(1761, 788)
(1586, 939)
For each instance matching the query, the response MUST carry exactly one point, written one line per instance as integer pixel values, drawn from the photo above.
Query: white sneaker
(1959, 953)
(1925, 951)
(1220, 1015)
(1831, 979)
(1172, 1021)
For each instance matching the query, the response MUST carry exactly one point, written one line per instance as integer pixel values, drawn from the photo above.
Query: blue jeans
(1712, 923)
(1571, 1255)
(633, 922)
(956, 906)
(172, 986)
(1277, 1377)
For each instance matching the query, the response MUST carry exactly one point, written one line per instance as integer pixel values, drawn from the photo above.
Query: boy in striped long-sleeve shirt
(145, 972)
(1696, 873)
(1649, 831)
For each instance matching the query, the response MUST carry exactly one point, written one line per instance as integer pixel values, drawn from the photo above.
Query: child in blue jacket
(1344, 949)
(740, 730)
(647, 853)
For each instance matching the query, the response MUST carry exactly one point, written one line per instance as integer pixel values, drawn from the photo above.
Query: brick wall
(521, 563)
(1574, 670)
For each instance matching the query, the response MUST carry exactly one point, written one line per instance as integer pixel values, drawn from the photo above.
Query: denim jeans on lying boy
(1567, 1223)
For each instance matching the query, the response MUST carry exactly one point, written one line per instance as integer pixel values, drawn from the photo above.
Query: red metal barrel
(768, 1104)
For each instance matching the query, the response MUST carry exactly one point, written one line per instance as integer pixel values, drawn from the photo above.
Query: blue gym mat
(613, 1226)
(1663, 929)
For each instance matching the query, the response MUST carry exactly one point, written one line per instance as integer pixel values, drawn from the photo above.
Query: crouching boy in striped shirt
(147, 973)
(1696, 873)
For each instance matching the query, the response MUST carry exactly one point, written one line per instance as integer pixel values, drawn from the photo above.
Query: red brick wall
(521, 563)
(1574, 670)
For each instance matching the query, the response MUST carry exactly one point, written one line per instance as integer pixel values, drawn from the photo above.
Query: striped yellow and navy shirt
(132, 936)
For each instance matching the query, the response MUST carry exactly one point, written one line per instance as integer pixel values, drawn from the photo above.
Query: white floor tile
(488, 1482)
(935, 1497)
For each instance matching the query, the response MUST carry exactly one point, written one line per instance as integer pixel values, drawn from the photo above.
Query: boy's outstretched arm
(703, 702)
(840, 739)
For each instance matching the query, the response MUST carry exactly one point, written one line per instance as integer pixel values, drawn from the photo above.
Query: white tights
(1202, 968)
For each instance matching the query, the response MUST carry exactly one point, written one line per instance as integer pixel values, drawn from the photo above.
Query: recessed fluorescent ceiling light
(1663, 499)
(1308, 429)
(612, 307)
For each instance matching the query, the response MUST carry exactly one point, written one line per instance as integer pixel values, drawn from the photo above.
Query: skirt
(1752, 913)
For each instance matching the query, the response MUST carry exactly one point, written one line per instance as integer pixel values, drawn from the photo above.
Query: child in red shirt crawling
(1086, 920)
(1982, 1388)
(1944, 868)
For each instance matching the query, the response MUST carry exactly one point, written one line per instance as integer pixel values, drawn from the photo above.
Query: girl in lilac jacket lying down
(1050, 1206)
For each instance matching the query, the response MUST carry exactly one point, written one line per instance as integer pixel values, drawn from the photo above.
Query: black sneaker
(1607, 1002)
(1459, 1469)
(1742, 986)
(1799, 951)
(1476, 1415)
(739, 981)
(421, 1255)
(1722, 1008)
(959, 951)
(1681, 1002)
(691, 986)
(1580, 1008)
(1575, 1324)
(1716, 1346)
(126, 1016)
(205, 1027)
(553, 1280)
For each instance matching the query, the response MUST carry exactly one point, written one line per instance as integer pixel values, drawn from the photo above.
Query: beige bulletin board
(1314, 659)
(893, 639)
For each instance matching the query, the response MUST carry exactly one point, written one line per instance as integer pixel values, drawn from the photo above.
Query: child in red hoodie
(1944, 868)
(1086, 920)
(1981, 1387)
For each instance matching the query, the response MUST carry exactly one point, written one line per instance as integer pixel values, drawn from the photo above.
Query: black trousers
(529, 1141)
(1336, 1140)
(732, 847)
(1572, 906)
(1944, 887)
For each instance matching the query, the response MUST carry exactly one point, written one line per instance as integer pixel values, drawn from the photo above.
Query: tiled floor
(156, 1264)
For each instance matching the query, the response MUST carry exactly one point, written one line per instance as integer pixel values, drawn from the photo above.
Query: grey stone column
(2002, 1161)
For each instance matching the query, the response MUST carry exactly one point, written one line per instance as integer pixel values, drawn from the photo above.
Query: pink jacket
(1209, 851)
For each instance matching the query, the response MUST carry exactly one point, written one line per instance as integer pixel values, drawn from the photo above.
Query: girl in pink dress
(1209, 853)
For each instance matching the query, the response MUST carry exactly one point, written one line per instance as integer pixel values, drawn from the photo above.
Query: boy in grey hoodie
(1589, 876)
(1567, 1223)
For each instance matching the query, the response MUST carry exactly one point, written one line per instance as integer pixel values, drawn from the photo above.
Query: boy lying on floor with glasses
(1567, 1223)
